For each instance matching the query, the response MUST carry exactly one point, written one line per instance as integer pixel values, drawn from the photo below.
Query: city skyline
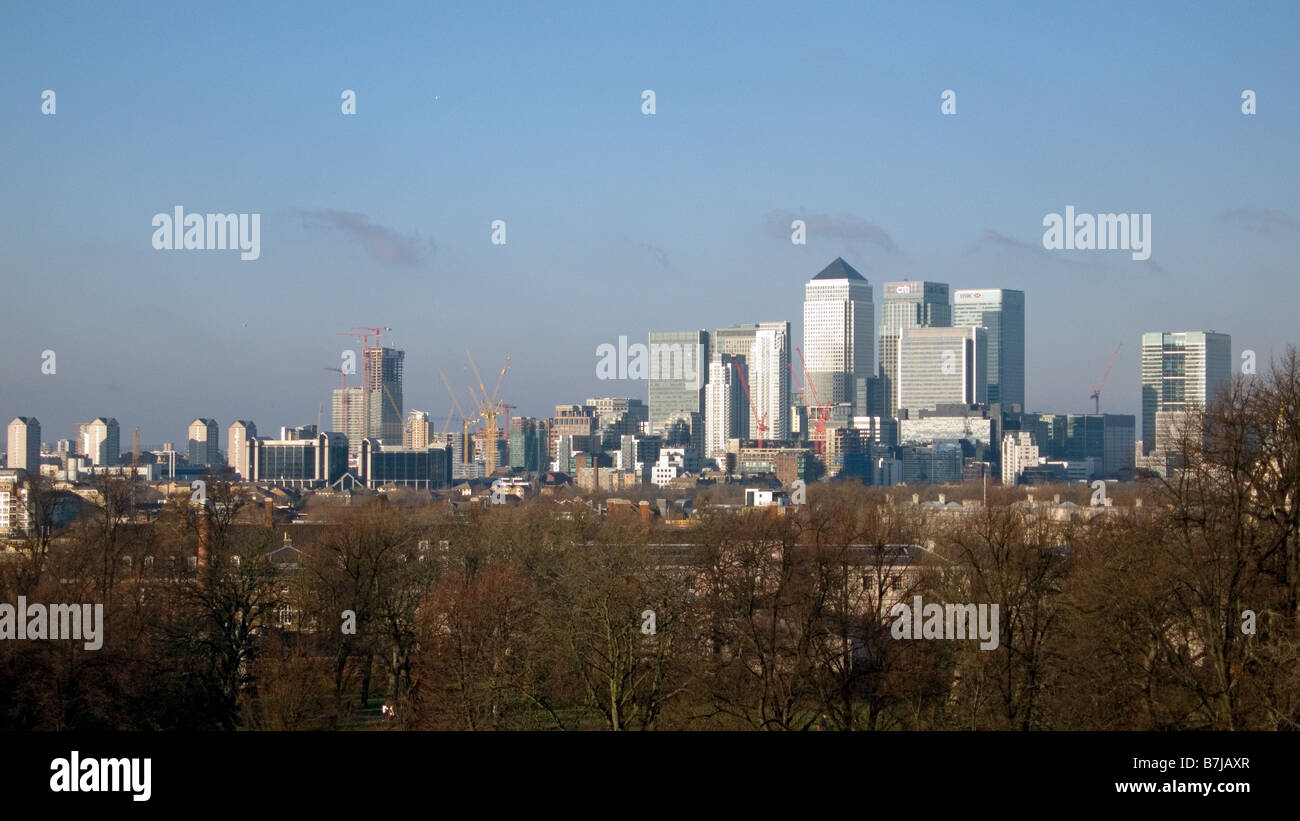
(617, 219)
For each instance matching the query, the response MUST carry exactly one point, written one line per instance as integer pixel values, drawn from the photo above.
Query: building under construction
(383, 386)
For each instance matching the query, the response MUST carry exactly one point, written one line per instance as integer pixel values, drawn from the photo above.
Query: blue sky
(617, 222)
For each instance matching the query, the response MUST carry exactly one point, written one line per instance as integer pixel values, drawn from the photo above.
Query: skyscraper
(350, 417)
(100, 440)
(528, 444)
(383, 376)
(725, 408)
(1181, 371)
(679, 363)
(25, 444)
(202, 442)
(765, 347)
(1002, 312)
(941, 366)
(911, 304)
(838, 332)
(237, 436)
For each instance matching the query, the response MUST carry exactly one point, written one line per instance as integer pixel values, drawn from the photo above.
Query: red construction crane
(374, 331)
(1096, 389)
(761, 423)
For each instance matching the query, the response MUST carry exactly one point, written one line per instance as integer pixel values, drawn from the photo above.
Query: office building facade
(1181, 371)
(1002, 312)
(678, 370)
(839, 319)
(303, 463)
(910, 304)
(941, 366)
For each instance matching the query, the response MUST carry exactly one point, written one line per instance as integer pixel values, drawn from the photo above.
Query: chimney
(644, 510)
(203, 539)
(1056, 498)
(268, 513)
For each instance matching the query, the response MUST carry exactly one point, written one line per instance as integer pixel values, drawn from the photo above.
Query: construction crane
(489, 408)
(1096, 389)
(824, 411)
(455, 405)
(761, 423)
(365, 395)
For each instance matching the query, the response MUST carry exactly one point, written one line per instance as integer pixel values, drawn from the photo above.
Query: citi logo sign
(1100, 232)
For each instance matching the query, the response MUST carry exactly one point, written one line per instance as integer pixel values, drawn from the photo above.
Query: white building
(237, 436)
(839, 341)
(202, 443)
(769, 379)
(724, 405)
(349, 414)
(1181, 371)
(24, 450)
(674, 462)
(100, 440)
(15, 502)
(941, 366)
(1018, 453)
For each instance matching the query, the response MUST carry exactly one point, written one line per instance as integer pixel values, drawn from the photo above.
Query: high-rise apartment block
(416, 434)
(100, 440)
(202, 442)
(725, 408)
(237, 437)
(350, 417)
(24, 451)
(765, 347)
(383, 388)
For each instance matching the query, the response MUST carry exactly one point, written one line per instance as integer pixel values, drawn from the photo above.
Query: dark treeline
(1179, 613)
